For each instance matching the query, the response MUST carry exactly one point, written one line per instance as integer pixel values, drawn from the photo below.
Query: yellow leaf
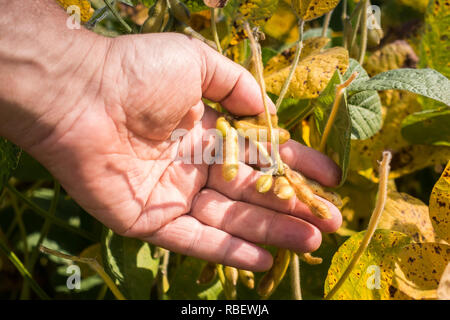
(443, 291)
(310, 46)
(419, 5)
(311, 75)
(84, 5)
(371, 278)
(419, 268)
(440, 206)
(409, 215)
(407, 158)
(282, 25)
(312, 9)
(395, 55)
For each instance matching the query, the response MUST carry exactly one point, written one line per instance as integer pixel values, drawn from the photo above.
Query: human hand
(111, 151)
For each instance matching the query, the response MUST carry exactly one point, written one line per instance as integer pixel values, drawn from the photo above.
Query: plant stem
(326, 23)
(91, 262)
(363, 48)
(295, 277)
(373, 222)
(187, 30)
(256, 52)
(118, 17)
(298, 52)
(23, 271)
(53, 219)
(214, 29)
(46, 227)
(337, 100)
(358, 11)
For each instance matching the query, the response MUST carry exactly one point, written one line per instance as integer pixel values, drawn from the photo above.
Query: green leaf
(364, 107)
(183, 284)
(291, 110)
(195, 5)
(9, 158)
(130, 263)
(434, 50)
(338, 144)
(381, 253)
(426, 82)
(428, 127)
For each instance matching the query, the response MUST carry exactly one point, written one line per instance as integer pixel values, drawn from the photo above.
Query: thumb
(230, 84)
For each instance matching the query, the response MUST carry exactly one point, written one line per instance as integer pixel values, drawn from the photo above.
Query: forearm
(45, 68)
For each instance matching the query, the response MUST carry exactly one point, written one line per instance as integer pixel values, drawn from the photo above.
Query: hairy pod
(333, 197)
(247, 278)
(283, 188)
(207, 274)
(258, 132)
(180, 11)
(309, 259)
(305, 194)
(230, 165)
(231, 275)
(264, 183)
(156, 17)
(165, 286)
(273, 277)
(223, 126)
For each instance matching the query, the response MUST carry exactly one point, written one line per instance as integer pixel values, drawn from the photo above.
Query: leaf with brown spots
(395, 55)
(360, 284)
(311, 75)
(312, 9)
(310, 46)
(407, 157)
(409, 215)
(440, 206)
(419, 267)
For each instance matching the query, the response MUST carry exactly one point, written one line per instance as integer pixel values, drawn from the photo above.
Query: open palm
(114, 155)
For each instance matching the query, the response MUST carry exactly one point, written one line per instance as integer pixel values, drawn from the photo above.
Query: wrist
(47, 71)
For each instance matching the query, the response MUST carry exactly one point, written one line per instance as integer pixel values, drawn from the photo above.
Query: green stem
(214, 30)
(294, 267)
(91, 262)
(298, 52)
(46, 227)
(118, 17)
(23, 271)
(55, 220)
(326, 23)
(257, 56)
(374, 219)
(363, 48)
